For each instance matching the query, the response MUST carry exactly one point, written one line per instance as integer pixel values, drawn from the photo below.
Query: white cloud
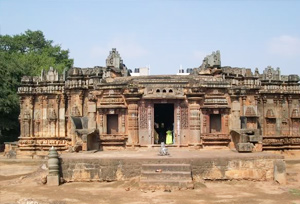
(284, 46)
(127, 46)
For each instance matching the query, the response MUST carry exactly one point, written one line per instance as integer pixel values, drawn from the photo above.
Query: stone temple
(104, 108)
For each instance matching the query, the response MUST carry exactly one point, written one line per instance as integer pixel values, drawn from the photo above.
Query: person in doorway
(169, 137)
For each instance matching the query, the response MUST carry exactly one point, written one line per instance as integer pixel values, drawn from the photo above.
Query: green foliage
(295, 192)
(24, 54)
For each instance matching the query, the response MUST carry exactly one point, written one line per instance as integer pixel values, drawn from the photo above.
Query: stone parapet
(258, 167)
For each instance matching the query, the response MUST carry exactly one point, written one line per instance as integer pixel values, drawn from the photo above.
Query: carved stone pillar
(177, 124)
(69, 105)
(61, 118)
(243, 104)
(57, 108)
(92, 114)
(21, 101)
(45, 116)
(26, 120)
(145, 123)
(123, 128)
(38, 116)
(290, 105)
(235, 115)
(81, 102)
(101, 121)
(205, 122)
(31, 107)
(184, 124)
(264, 109)
(195, 130)
(150, 124)
(133, 124)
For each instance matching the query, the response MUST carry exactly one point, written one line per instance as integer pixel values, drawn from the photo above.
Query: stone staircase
(166, 176)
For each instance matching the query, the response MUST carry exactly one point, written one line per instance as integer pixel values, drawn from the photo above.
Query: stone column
(44, 118)
(21, 101)
(184, 124)
(290, 106)
(264, 110)
(61, 118)
(205, 122)
(57, 108)
(92, 115)
(31, 108)
(81, 102)
(177, 125)
(278, 116)
(69, 105)
(235, 115)
(101, 121)
(53, 166)
(123, 128)
(144, 122)
(133, 124)
(243, 105)
(224, 119)
(195, 129)
(150, 124)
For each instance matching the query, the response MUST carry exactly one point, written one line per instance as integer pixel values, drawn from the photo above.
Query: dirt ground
(21, 182)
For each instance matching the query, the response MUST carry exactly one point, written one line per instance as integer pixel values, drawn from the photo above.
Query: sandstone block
(254, 138)
(244, 147)
(53, 180)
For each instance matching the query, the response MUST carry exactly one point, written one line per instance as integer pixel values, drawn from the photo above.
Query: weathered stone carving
(213, 60)
(114, 59)
(295, 113)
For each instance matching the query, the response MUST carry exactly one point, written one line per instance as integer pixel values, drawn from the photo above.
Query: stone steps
(166, 176)
(167, 167)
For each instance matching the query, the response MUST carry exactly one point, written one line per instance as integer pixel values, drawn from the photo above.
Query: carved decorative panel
(184, 117)
(143, 116)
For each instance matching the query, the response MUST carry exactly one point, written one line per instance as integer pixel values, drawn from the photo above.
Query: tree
(24, 54)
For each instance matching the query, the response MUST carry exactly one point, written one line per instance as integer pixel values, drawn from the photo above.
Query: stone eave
(163, 97)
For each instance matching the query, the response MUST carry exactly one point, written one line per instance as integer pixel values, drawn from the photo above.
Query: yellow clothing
(169, 139)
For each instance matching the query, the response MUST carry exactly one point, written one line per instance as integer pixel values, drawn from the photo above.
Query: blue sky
(165, 34)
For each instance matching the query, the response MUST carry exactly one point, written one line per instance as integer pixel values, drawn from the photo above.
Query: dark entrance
(163, 121)
(215, 123)
(112, 124)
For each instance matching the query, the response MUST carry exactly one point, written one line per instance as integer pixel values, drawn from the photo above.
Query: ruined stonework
(105, 108)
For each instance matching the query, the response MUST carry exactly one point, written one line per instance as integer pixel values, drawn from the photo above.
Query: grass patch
(295, 191)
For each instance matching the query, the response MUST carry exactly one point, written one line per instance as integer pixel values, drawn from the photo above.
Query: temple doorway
(163, 122)
(112, 124)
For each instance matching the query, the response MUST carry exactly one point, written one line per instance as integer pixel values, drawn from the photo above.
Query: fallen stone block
(244, 147)
(254, 138)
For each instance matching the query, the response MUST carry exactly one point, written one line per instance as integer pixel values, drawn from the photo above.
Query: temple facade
(105, 108)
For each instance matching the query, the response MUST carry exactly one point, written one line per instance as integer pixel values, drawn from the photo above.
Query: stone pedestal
(53, 180)
(53, 165)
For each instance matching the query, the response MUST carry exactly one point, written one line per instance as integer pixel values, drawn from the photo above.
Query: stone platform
(205, 165)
